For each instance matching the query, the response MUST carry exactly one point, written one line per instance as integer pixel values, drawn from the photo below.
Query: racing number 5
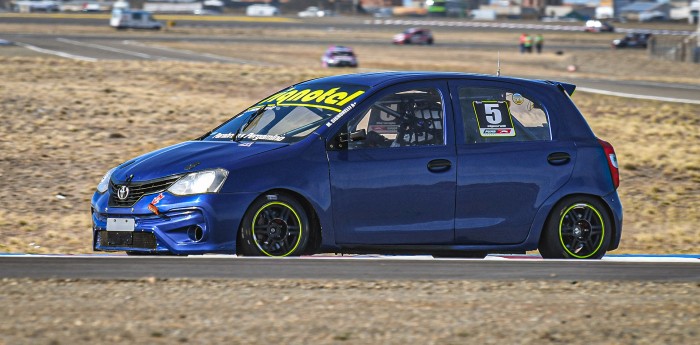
(493, 114)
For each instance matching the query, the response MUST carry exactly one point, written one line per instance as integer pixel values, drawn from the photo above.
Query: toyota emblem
(123, 192)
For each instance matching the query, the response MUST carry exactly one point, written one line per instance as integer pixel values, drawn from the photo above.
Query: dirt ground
(151, 311)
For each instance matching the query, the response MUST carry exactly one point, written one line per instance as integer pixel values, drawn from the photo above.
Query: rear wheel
(578, 227)
(275, 225)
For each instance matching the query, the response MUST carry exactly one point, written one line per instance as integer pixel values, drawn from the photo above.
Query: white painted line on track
(56, 52)
(631, 95)
(662, 85)
(112, 49)
(668, 259)
(189, 52)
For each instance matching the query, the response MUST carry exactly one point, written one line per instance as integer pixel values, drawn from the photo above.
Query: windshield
(290, 115)
(342, 53)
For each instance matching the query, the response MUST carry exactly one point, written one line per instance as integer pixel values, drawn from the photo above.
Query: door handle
(558, 158)
(439, 165)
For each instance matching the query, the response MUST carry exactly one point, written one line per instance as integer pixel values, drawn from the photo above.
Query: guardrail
(672, 48)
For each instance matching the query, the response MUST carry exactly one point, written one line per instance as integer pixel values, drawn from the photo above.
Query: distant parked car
(632, 40)
(262, 10)
(91, 7)
(314, 12)
(206, 12)
(598, 26)
(339, 56)
(414, 36)
(133, 19)
(36, 6)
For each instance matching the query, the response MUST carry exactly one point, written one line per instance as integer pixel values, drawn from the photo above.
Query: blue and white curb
(669, 258)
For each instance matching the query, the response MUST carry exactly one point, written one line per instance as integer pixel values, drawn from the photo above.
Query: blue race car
(446, 164)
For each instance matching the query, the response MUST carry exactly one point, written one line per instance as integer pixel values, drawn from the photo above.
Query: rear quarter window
(502, 115)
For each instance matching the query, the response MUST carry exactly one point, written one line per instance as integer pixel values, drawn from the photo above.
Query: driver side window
(413, 117)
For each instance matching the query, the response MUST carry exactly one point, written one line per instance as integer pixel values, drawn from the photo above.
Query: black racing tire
(275, 225)
(578, 227)
(430, 41)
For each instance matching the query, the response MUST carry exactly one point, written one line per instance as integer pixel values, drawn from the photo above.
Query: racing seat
(422, 125)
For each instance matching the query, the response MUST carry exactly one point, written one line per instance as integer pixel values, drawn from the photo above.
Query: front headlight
(104, 183)
(207, 181)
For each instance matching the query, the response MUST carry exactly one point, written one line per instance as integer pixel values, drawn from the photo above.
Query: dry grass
(66, 122)
(605, 64)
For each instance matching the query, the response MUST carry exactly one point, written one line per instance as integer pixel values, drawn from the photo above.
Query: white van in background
(133, 19)
(262, 11)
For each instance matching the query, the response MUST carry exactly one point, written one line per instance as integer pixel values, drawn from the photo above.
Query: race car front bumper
(197, 224)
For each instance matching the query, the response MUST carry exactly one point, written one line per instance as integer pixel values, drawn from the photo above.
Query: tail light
(612, 162)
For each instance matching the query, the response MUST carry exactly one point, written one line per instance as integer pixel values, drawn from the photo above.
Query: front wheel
(578, 227)
(275, 225)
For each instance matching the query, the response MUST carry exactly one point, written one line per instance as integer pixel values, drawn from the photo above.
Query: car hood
(343, 58)
(189, 156)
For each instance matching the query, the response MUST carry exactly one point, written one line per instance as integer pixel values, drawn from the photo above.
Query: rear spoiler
(566, 87)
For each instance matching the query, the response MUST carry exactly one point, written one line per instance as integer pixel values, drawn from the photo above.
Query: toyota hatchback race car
(632, 40)
(414, 36)
(399, 162)
(339, 56)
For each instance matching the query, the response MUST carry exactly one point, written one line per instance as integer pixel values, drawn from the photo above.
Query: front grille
(127, 239)
(138, 190)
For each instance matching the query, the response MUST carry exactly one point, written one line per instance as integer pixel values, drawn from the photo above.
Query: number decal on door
(493, 114)
(491, 121)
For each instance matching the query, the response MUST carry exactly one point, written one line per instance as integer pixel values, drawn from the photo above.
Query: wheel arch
(314, 222)
(607, 209)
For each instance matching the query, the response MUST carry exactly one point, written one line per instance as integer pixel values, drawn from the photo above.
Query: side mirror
(358, 135)
(341, 140)
(354, 136)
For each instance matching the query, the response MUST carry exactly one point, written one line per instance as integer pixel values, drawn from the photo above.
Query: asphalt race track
(144, 47)
(96, 48)
(363, 268)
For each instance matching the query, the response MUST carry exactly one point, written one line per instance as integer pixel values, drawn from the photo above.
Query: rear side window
(501, 115)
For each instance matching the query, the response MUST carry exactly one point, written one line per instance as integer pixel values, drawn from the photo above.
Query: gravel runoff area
(154, 311)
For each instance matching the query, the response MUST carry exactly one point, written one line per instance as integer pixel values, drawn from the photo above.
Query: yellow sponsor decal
(331, 99)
